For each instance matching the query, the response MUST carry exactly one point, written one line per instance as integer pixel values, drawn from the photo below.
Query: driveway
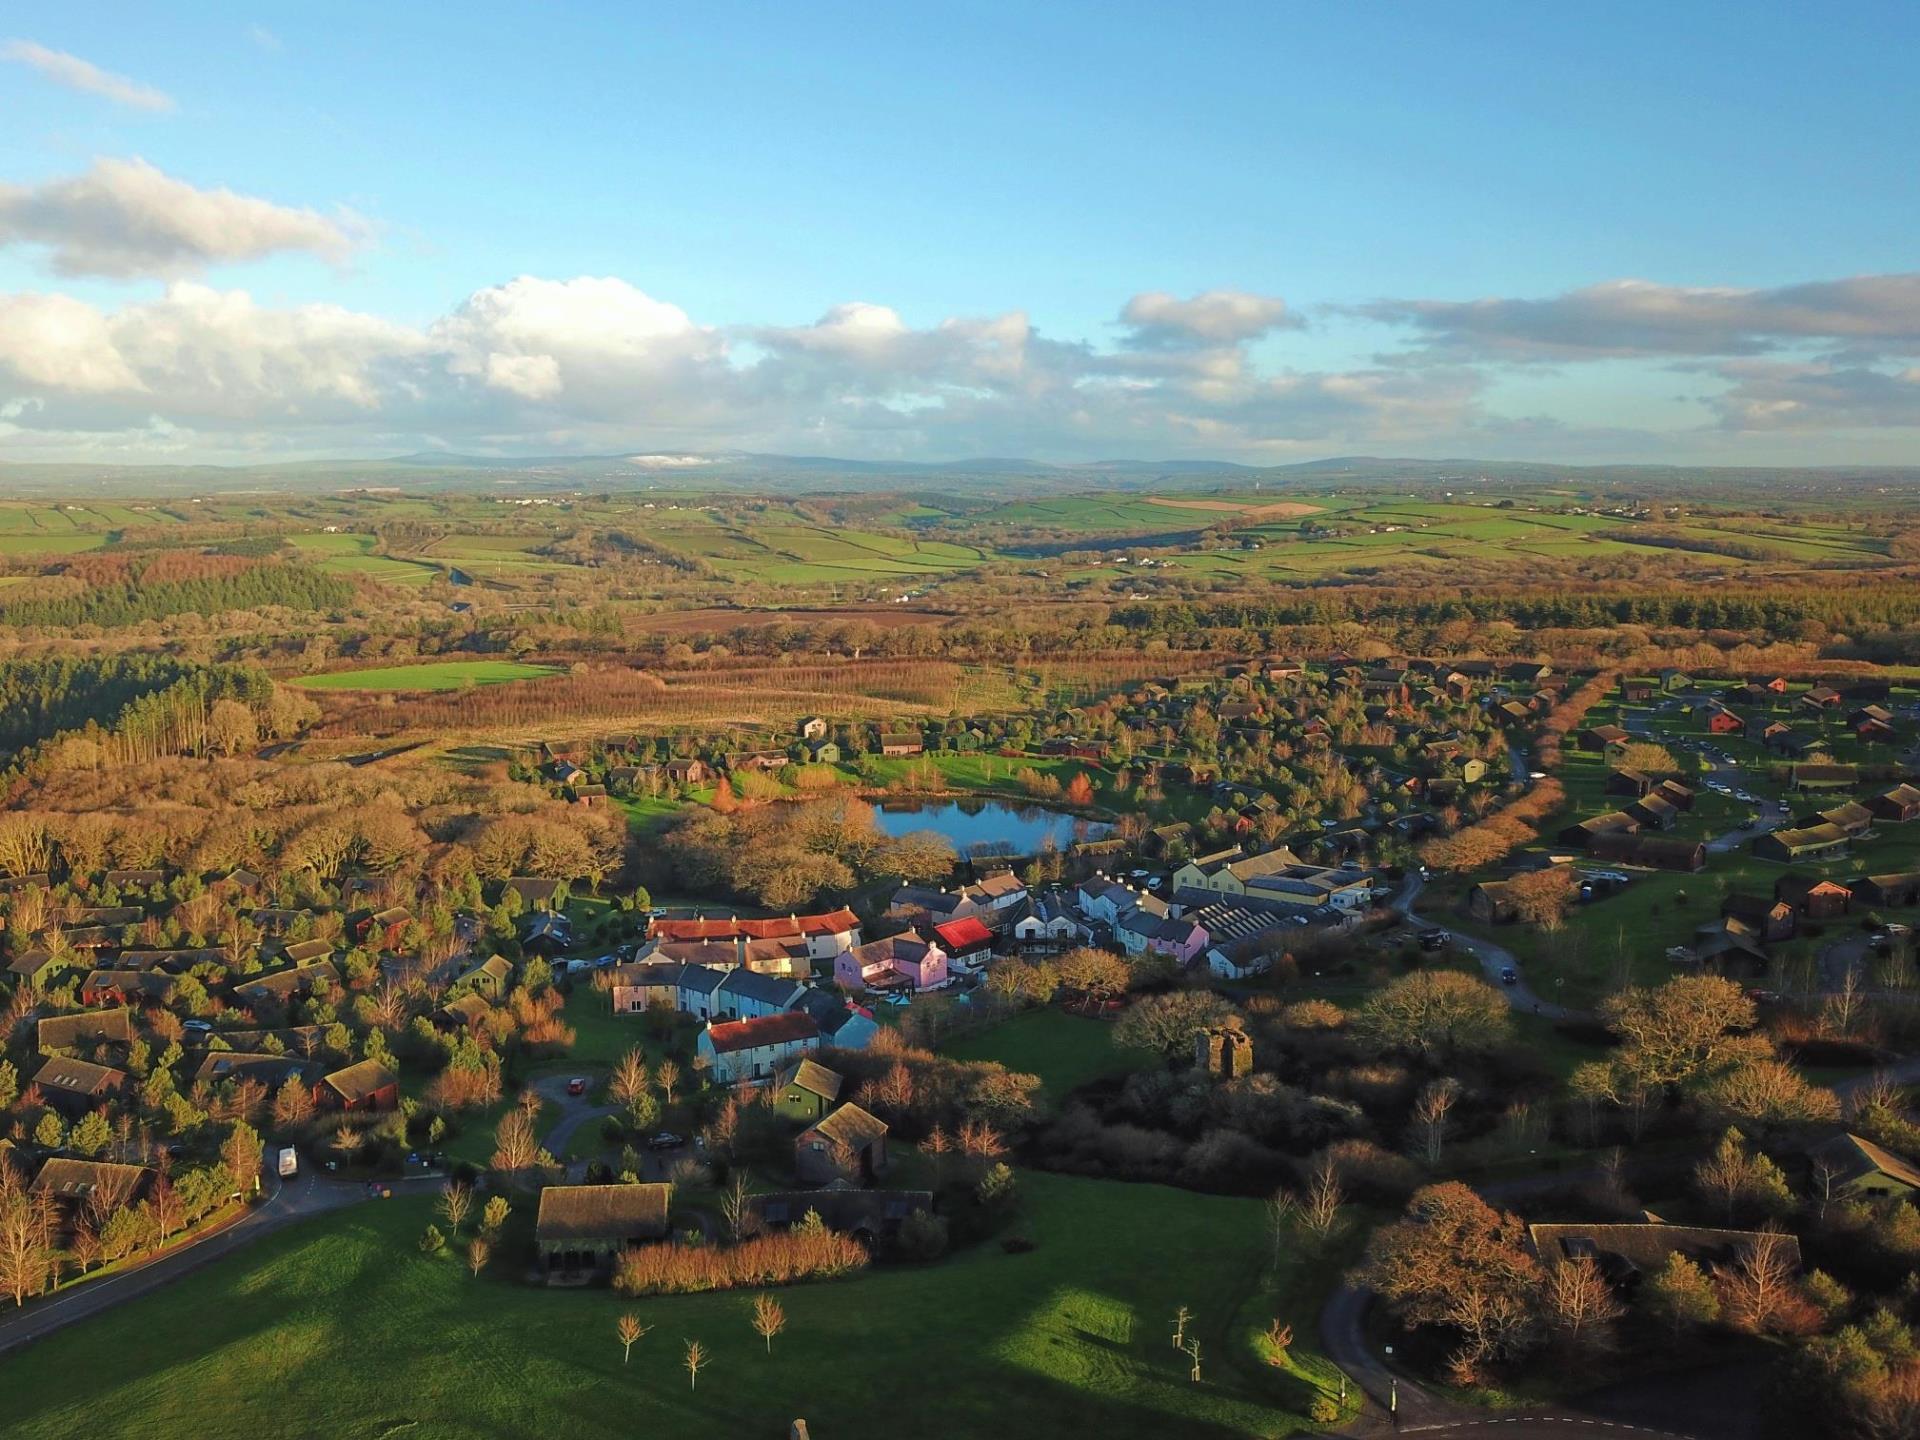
(575, 1111)
(1493, 958)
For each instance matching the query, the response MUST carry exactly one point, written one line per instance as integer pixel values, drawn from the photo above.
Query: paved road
(1493, 958)
(286, 1204)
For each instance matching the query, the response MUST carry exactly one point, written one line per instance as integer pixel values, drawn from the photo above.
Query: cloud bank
(596, 364)
(125, 218)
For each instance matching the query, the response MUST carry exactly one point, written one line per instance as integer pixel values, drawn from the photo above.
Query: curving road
(286, 1204)
(1493, 958)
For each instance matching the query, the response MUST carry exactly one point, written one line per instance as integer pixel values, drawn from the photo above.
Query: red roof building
(961, 938)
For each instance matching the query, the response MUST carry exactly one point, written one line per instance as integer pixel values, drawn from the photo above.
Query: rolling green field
(344, 553)
(427, 675)
(1065, 1051)
(340, 1327)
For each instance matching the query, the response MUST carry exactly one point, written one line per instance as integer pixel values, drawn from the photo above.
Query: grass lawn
(341, 1327)
(427, 675)
(1065, 1051)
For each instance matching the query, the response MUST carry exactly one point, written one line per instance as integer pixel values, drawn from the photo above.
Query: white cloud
(1772, 395)
(202, 356)
(597, 364)
(77, 74)
(127, 218)
(1214, 317)
(1643, 318)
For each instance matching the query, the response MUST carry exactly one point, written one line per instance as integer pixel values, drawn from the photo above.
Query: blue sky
(250, 232)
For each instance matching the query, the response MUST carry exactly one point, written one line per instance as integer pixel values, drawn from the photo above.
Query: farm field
(351, 554)
(1070, 1335)
(427, 675)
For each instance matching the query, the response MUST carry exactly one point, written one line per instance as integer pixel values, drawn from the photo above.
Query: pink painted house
(899, 962)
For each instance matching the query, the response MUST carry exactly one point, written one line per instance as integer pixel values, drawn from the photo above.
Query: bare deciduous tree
(695, 1361)
(1430, 1111)
(631, 1331)
(456, 1203)
(768, 1318)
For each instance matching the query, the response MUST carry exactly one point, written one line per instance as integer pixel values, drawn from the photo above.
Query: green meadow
(427, 675)
(341, 1327)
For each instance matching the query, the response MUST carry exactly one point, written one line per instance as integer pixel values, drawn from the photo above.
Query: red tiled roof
(762, 1030)
(964, 934)
(834, 922)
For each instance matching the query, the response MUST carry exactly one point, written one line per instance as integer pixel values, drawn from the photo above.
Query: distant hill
(986, 477)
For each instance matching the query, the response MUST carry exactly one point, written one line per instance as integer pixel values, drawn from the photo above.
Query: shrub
(803, 1253)
(1323, 1410)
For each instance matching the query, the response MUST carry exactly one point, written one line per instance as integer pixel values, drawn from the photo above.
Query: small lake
(986, 827)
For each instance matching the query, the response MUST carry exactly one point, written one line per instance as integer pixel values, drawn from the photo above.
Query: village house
(1584, 833)
(580, 1230)
(901, 743)
(536, 892)
(1898, 804)
(746, 995)
(384, 929)
(490, 978)
(843, 1025)
(1770, 917)
(267, 994)
(692, 771)
(806, 1091)
(1655, 852)
(75, 1186)
(825, 935)
(368, 1086)
(968, 942)
(1142, 931)
(1849, 1166)
(1046, 921)
(127, 987)
(1806, 842)
(849, 1145)
(73, 1087)
(1813, 897)
(272, 1071)
(898, 962)
(83, 1032)
(1601, 738)
(1900, 889)
(1227, 872)
(1823, 777)
(741, 1050)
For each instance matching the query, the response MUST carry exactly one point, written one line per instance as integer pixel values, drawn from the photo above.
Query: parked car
(1433, 939)
(665, 1140)
(577, 1085)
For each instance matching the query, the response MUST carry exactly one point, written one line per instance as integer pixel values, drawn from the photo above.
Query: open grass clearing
(341, 1327)
(1065, 1051)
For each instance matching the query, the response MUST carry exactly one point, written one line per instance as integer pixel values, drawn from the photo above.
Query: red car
(576, 1086)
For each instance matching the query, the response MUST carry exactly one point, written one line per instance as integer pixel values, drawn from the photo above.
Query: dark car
(665, 1140)
(1509, 976)
(1432, 939)
(577, 1086)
